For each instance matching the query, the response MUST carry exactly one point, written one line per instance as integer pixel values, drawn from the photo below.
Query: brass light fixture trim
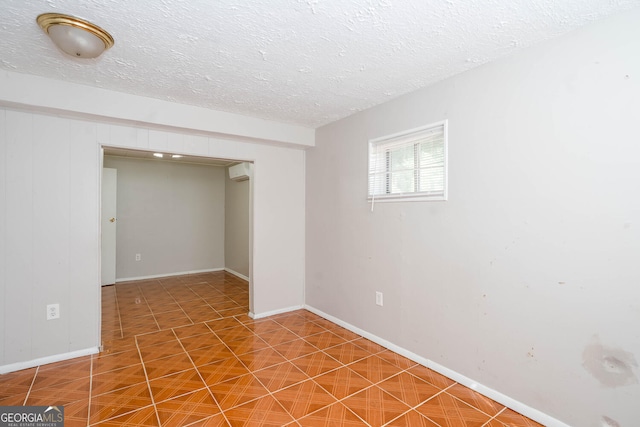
(49, 20)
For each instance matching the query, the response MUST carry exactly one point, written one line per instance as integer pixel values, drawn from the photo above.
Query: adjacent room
(176, 214)
(439, 227)
(166, 215)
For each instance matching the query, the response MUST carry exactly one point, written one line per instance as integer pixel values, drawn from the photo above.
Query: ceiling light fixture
(176, 156)
(75, 36)
(160, 155)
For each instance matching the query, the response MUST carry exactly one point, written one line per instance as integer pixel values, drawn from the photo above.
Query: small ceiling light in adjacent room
(176, 156)
(160, 155)
(75, 36)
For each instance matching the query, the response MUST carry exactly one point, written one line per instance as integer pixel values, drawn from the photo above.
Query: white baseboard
(507, 401)
(157, 276)
(48, 359)
(235, 273)
(274, 312)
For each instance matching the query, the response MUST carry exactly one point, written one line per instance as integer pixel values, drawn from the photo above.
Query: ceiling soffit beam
(43, 94)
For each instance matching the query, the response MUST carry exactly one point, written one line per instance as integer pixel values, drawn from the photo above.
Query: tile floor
(181, 351)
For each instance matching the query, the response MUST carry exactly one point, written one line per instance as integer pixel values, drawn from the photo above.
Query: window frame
(413, 196)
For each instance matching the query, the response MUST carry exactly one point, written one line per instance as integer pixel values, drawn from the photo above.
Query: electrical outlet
(379, 298)
(53, 311)
(138, 257)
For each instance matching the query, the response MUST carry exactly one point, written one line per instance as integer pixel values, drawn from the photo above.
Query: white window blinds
(409, 165)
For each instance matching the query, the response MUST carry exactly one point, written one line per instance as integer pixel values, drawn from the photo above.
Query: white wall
(236, 235)
(88, 102)
(529, 273)
(50, 224)
(172, 214)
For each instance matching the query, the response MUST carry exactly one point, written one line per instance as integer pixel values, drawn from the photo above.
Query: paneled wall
(50, 218)
(49, 226)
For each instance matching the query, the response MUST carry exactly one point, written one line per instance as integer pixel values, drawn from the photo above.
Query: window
(410, 165)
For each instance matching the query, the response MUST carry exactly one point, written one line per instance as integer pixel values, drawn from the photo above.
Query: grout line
(150, 309)
(269, 392)
(176, 301)
(230, 290)
(251, 372)
(115, 296)
(31, 386)
(203, 381)
(144, 369)
(414, 408)
(473, 406)
(347, 365)
(309, 378)
(312, 379)
(90, 391)
(495, 417)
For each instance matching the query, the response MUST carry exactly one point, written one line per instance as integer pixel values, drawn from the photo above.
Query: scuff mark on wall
(608, 422)
(530, 353)
(612, 367)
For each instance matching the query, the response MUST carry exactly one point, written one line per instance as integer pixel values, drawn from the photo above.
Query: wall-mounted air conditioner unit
(240, 172)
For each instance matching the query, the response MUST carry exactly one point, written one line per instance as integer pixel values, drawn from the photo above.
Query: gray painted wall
(172, 214)
(526, 279)
(236, 236)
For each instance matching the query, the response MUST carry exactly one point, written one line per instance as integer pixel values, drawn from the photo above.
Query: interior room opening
(167, 215)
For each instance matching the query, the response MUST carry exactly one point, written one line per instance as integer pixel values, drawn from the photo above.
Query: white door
(109, 191)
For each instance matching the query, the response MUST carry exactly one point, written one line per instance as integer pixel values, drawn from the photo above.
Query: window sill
(406, 198)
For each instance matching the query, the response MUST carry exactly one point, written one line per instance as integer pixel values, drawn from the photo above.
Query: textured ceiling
(308, 62)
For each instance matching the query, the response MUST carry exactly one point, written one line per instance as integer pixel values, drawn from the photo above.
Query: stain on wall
(608, 422)
(612, 367)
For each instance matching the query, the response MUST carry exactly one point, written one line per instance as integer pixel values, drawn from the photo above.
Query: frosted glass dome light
(75, 36)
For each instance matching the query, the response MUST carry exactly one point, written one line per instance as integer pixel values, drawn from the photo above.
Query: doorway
(163, 222)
